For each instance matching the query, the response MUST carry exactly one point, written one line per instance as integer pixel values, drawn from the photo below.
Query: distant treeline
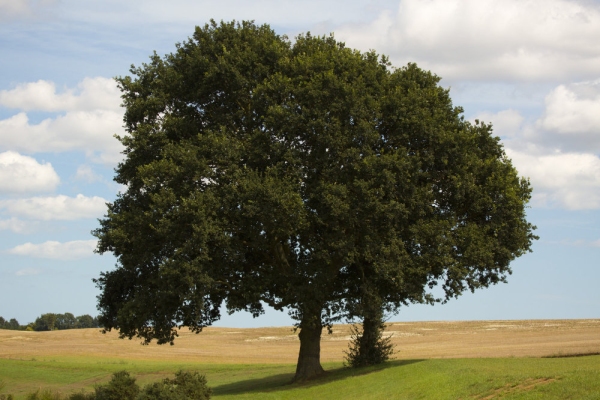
(51, 322)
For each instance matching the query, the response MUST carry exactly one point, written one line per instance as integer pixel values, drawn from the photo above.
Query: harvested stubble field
(434, 360)
(413, 340)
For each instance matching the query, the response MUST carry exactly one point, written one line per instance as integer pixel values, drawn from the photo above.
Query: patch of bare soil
(413, 340)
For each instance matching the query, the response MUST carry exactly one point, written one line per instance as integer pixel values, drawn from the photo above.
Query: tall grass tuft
(4, 396)
(45, 394)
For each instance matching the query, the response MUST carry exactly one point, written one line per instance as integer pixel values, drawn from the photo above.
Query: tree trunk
(309, 359)
(373, 347)
(370, 336)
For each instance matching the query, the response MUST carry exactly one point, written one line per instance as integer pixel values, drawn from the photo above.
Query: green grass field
(507, 378)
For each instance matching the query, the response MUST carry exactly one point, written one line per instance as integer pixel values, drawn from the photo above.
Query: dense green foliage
(368, 346)
(303, 175)
(122, 386)
(186, 385)
(50, 322)
(12, 324)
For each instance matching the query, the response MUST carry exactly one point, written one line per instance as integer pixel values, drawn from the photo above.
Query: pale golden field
(413, 340)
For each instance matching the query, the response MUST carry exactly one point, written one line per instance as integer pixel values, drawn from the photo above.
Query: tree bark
(371, 348)
(309, 359)
(370, 336)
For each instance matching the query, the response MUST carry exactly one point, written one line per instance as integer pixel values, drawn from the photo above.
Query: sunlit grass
(519, 378)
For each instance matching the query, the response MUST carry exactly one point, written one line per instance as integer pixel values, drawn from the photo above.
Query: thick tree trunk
(309, 359)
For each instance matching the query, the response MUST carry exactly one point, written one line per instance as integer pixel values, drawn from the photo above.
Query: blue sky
(532, 68)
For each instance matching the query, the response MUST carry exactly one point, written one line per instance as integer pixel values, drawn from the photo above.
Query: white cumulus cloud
(23, 174)
(569, 180)
(573, 115)
(56, 207)
(89, 95)
(570, 121)
(487, 39)
(558, 150)
(74, 250)
(89, 117)
(88, 131)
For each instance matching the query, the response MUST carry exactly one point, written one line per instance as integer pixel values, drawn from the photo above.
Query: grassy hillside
(467, 360)
(526, 378)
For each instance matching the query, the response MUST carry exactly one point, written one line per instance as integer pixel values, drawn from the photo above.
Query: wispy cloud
(575, 243)
(86, 173)
(17, 9)
(17, 226)
(74, 250)
(28, 272)
(56, 207)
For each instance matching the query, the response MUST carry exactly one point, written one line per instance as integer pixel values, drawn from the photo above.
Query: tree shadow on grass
(282, 382)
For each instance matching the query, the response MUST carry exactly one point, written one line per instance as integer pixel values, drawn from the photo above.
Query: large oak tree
(303, 175)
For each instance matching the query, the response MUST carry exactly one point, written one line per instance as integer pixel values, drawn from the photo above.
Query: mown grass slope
(468, 360)
(518, 378)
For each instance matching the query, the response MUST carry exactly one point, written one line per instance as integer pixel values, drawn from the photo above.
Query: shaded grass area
(512, 378)
(567, 355)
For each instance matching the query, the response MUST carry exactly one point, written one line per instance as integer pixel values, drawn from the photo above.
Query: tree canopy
(302, 175)
(12, 324)
(51, 321)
